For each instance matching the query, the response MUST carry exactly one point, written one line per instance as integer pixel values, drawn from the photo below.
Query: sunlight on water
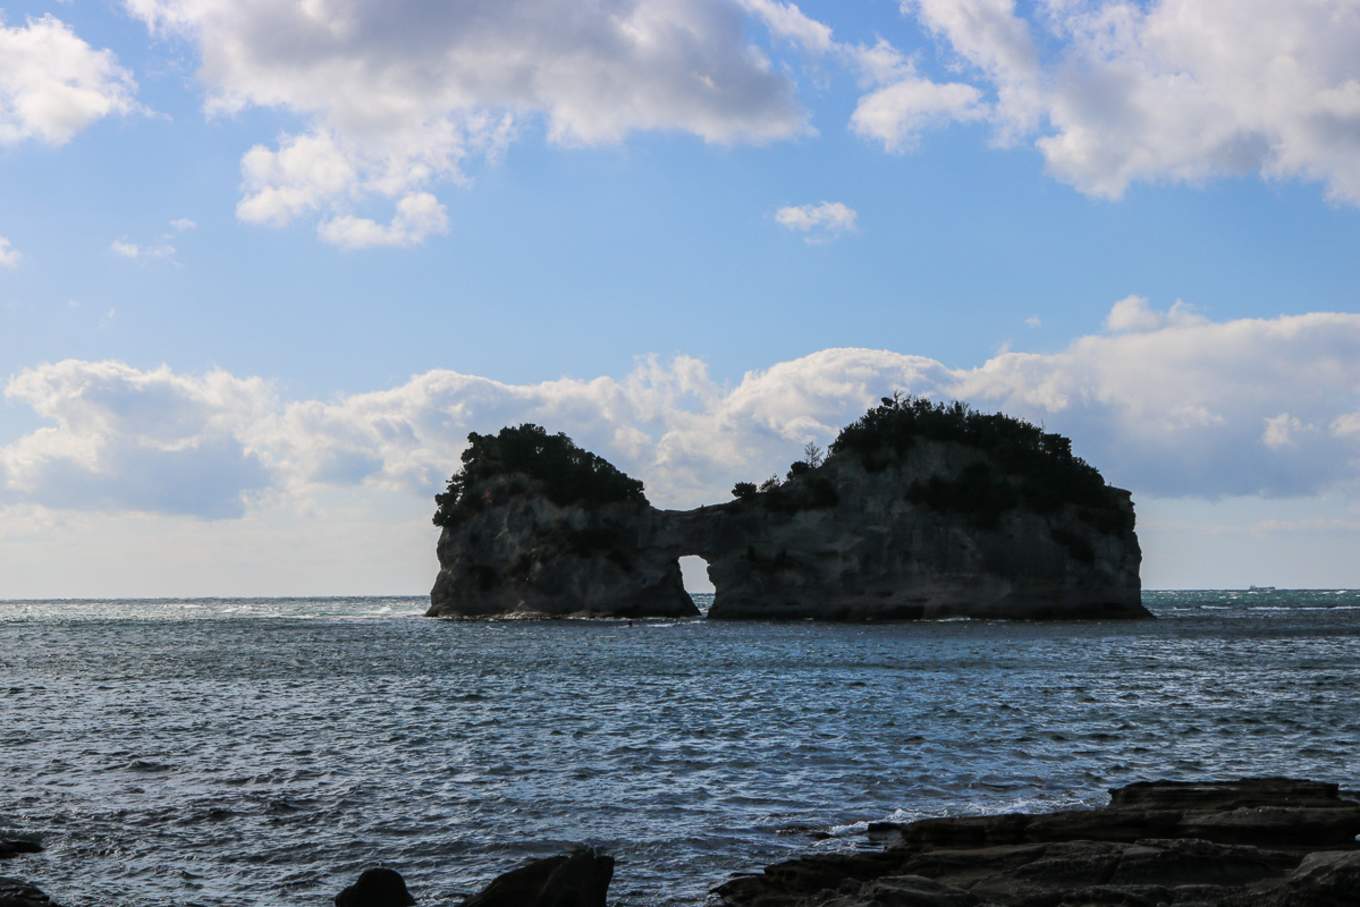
(262, 751)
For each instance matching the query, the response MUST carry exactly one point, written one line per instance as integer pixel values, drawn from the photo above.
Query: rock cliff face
(919, 512)
(525, 556)
(873, 554)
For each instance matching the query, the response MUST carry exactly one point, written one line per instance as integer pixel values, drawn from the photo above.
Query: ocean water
(263, 751)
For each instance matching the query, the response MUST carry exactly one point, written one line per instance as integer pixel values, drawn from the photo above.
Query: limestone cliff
(874, 554)
(533, 526)
(920, 511)
(525, 556)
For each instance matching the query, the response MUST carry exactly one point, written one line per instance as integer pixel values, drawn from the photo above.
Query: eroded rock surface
(376, 887)
(920, 511)
(1259, 842)
(525, 556)
(14, 847)
(577, 879)
(16, 893)
(862, 549)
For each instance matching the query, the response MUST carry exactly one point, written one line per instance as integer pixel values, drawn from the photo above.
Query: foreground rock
(1254, 843)
(577, 879)
(14, 847)
(14, 893)
(378, 887)
(920, 511)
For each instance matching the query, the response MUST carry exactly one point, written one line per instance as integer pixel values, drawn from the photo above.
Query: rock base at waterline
(1255, 843)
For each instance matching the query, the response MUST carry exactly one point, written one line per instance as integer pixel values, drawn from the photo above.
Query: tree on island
(566, 473)
(1025, 465)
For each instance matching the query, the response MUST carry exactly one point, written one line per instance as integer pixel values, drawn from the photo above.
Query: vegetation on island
(561, 471)
(1025, 466)
(802, 488)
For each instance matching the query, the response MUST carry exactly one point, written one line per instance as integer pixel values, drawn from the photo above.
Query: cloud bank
(400, 95)
(1164, 403)
(1113, 92)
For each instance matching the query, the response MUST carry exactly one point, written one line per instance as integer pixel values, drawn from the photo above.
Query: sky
(264, 265)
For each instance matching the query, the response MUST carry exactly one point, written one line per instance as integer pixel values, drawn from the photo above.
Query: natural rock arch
(921, 511)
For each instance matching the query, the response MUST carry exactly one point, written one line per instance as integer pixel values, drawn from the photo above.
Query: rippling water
(263, 751)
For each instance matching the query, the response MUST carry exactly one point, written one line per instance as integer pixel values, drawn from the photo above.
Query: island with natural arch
(918, 510)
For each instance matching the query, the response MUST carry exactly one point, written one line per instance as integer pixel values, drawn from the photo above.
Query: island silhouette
(919, 509)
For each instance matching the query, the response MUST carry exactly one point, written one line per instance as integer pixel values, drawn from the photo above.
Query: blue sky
(246, 240)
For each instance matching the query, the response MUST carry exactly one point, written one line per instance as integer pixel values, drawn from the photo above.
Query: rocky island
(920, 510)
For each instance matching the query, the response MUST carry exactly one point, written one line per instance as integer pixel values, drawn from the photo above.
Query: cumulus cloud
(120, 438)
(1135, 313)
(1186, 408)
(418, 216)
(818, 223)
(897, 114)
(1167, 91)
(397, 97)
(788, 22)
(53, 84)
(9, 256)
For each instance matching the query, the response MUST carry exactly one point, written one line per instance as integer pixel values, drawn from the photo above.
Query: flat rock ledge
(1262, 842)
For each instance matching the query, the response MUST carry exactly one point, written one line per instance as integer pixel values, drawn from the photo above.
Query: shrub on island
(1025, 467)
(563, 472)
(1033, 468)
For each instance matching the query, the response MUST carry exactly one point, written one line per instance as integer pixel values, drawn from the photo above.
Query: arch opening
(694, 574)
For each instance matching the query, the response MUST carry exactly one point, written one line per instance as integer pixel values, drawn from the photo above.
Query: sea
(264, 751)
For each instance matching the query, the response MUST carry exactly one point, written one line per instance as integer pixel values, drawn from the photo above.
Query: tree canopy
(565, 473)
(1032, 467)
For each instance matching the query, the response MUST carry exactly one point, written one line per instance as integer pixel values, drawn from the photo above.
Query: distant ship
(1260, 588)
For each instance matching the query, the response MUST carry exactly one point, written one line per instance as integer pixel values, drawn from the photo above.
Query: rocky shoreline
(1260, 842)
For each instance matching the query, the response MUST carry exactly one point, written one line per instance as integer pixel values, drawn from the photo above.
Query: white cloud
(159, 251)
(1034, 321)
(9, 256)
(125, 439)
(398, 96)
(1347, 425)
(182, 225)
(901, 105)
(897, 114)
(1195, 409)
(1166, 91)
(419, 215)
(1282, 431)
(53, 84)
(1134, 313)
(818, 223)
(788, 22)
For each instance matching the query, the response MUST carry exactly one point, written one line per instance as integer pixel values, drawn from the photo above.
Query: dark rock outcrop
(1255, 843)
(14, 893)
(576, 879)
(526, 556)
(377, 887)
(871, 553)
(14, 847)
(533, 526)
(920, 511)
